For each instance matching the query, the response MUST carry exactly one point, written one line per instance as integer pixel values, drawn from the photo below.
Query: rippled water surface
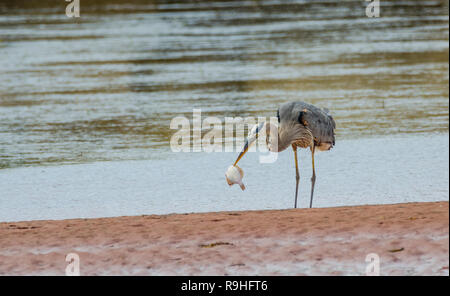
(105, 86)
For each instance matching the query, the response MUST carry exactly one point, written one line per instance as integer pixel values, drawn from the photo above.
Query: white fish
(234, 175)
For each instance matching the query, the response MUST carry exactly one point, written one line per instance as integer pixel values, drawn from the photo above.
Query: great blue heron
(299, 125)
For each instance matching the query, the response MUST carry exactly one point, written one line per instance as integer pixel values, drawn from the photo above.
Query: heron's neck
(283, 138)
(286, 136)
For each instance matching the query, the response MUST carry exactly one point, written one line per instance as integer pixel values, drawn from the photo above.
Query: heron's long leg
(313, 178)
(297, 175)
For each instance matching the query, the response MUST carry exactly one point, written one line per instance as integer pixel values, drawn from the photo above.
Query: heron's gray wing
(318, 121)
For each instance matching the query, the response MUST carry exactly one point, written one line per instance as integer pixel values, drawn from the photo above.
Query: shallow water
(355, 172)
(102, 90)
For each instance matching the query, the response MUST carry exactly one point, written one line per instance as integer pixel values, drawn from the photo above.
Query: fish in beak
(234, 175)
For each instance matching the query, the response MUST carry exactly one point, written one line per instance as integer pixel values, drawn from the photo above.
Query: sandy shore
(410, 239)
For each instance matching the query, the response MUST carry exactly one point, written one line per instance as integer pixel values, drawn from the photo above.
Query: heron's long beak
(244, 150)
(250, 139)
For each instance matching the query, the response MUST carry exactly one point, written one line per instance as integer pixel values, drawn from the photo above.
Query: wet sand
(410, 239)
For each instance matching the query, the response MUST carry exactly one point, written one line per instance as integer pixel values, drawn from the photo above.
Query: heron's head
(271, 133)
